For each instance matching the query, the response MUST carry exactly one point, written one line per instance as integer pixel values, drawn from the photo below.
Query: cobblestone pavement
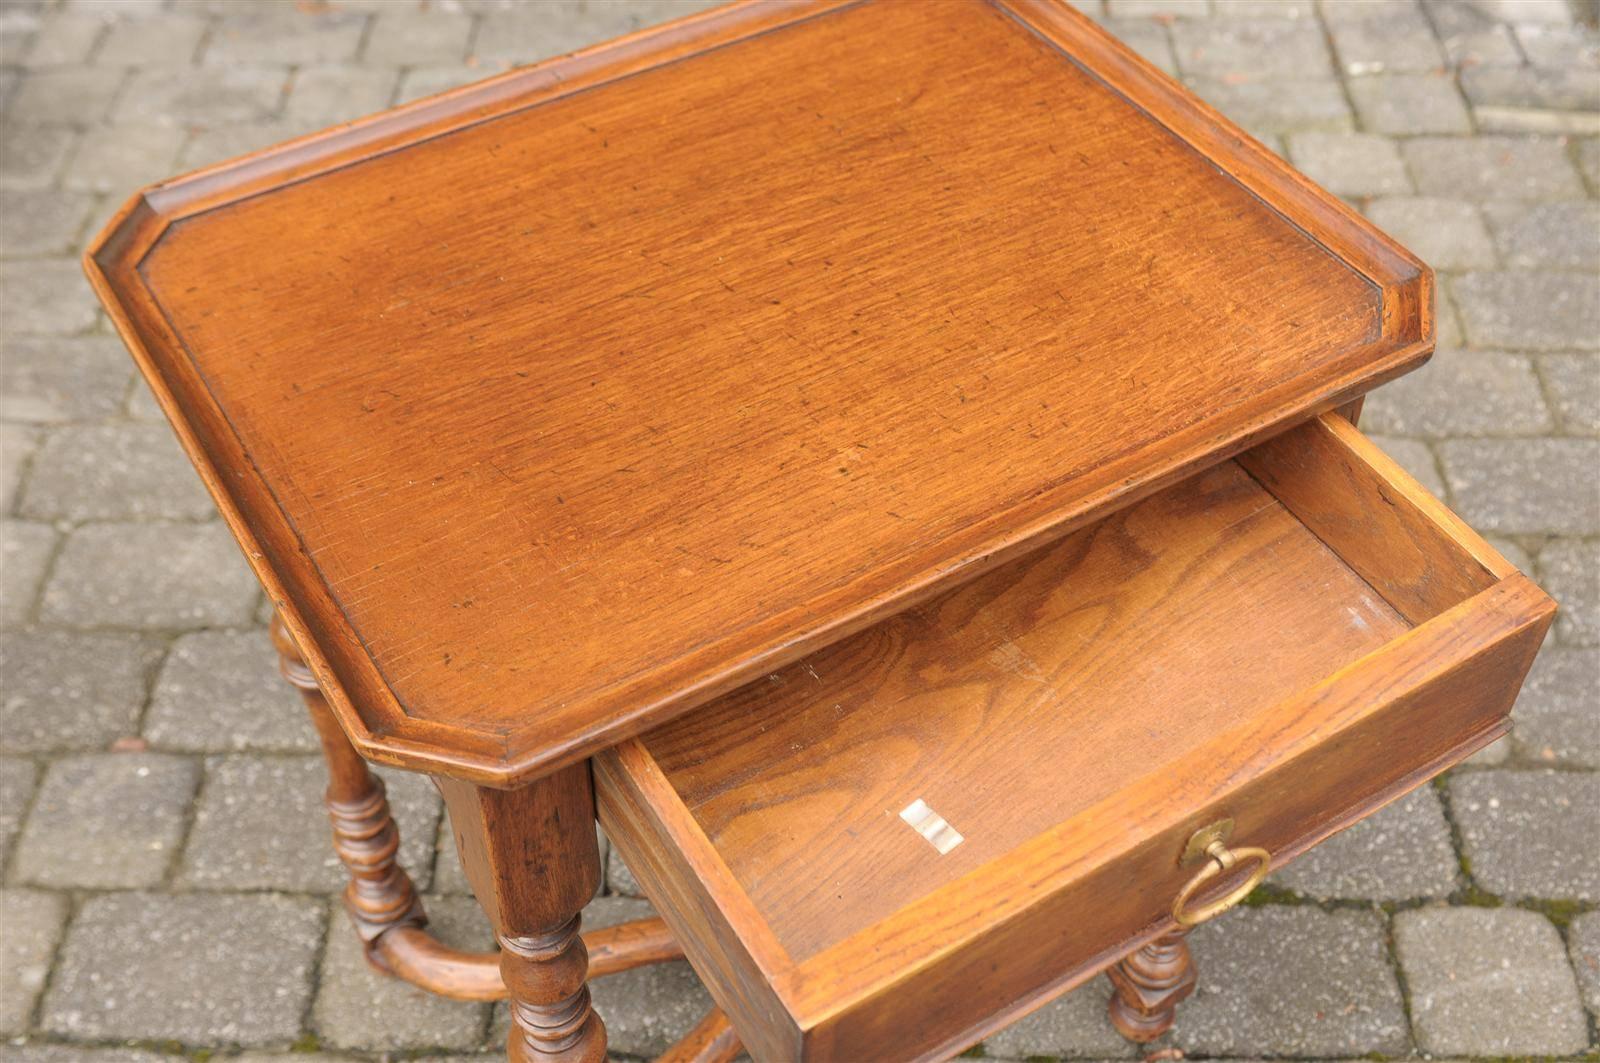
(167, 883)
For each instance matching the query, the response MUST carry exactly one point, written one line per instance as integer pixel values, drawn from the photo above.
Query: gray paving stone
(1557, 716)
(427, 81)
(120, 10)
(142, 404)
(260, 824)
(17, 777)
(1350, 164)
(1254, 49)
(1512, 552)
(1547, 235)
(1492, 755)
(32, 920)
(1587, 153)
(69, 95)
(1289, 980)
(1572, 382)
(1488, 982)
(39, 221)
(1583, 945)
(1400, 853)
(1533, 311)
(1520, 830)
(619, 878)
(1336, 11)
(1570, 572)
(46, 295)
(1268, 108)
(1396, 104)
(25, 551)
(1451, 335)
(220, 692)
(68, 691)
(1157, 8)
(1461, 393)
(524, 33)
(172, 40)
(64, 39)
(1470, 37)
(1415, 457)
(1073, 1026)
(106, 821)
(1149, 38)
(1492, 167)
(124, 157)
(62, 378)
(45, 1052)
(34, 154)
(1558, 46)
(404, 36)
(186, 97)
(647, 1009)
(296, 1056)
(358, 1008)
(1523, 486)
(111, 472)
(16, 450)
(1263, 9)
(1447, 234)
(16, 35)
(157, 575)
(1388, 44)
(1533, 100)
(223, 142)
(198, 969)
(327, 95)
(289, 34)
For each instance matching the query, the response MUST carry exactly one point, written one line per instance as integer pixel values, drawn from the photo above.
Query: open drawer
(1290, 639)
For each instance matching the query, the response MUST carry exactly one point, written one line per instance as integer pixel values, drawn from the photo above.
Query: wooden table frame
(545, 961)
(516, 777)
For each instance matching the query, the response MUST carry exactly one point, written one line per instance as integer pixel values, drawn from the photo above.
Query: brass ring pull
(1211, 843)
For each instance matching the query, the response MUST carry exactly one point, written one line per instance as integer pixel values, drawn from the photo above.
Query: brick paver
(191, 907)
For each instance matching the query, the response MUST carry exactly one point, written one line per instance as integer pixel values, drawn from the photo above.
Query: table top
(554, 406)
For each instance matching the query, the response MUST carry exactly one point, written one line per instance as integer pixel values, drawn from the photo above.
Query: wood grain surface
(545, 414)
(1075, 716)
(1014, 701)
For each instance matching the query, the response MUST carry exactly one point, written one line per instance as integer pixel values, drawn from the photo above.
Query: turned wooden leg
(379, 895)
(1150, 984)
(533, 862)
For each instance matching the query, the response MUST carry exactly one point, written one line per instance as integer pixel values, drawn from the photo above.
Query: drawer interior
(973, 803)
(1033, 693)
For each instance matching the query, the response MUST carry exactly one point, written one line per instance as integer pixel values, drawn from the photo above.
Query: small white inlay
(932, 826)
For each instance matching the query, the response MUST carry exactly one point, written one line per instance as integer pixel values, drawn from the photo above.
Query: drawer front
(1366, 738)
(1289, 642)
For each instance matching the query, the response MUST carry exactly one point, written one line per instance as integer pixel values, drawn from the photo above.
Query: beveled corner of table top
(895, 321)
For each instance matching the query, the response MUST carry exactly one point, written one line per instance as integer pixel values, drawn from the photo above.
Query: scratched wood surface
(577, 408)
(1224, 648)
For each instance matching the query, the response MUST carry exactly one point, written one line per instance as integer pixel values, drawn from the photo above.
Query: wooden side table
(881, 455)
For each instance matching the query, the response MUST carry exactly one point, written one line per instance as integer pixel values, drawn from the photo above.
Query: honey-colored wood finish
(383, 904)
(1148, 985)
(712, 1040)
(1290, 641)
(531, 857)
(553, 407)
